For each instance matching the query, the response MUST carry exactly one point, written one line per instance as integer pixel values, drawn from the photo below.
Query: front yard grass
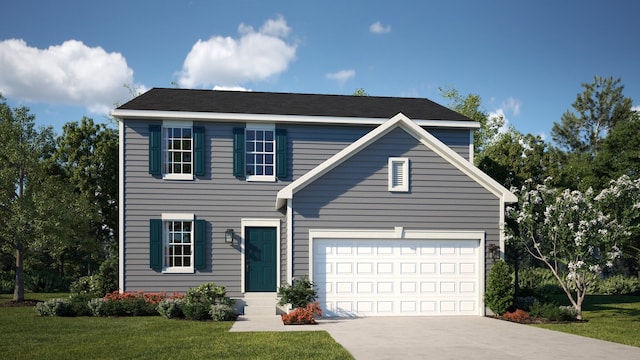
(610, 317)
(25, 335)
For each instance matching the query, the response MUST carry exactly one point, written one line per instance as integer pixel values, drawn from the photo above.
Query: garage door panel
(393, 277)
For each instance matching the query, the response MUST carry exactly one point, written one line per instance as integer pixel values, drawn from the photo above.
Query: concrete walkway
(449, 338)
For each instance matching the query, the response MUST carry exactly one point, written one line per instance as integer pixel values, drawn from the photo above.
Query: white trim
(260, 126)
(471, 147)
(289, 242)
(178, 216)
(177, 177)
(261, 178)
(404, 169)
(235, 117)
(320, 234)
(121, 205)
(258, 223)
(411, 127)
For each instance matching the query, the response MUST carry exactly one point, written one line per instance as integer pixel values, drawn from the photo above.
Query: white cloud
(226, 61)
(70, 74)
(497, 114)
(512, 105)
(378, 28)
(341, 76)
(231, 88)
(636, 108)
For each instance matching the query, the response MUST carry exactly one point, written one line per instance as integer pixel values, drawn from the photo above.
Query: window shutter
(238, 152)
(198, 150)
(200, 247)
(281, 153)
(155, 150)
(155, 244)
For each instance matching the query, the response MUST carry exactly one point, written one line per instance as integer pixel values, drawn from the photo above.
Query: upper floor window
(260, 152)
(176, 150)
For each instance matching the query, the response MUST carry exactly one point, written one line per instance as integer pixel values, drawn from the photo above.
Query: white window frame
(166, 218)
(261, 127)
(403, 162)
(165, 151)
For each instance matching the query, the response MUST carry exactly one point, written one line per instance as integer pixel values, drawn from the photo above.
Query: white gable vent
(399, 174)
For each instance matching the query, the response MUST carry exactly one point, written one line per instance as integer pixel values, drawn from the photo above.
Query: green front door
(260, 259)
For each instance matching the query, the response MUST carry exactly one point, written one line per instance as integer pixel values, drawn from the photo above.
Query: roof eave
(306, 119)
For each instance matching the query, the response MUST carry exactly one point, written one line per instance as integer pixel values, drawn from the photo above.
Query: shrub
(208, 293)
(303, 315)
(55, 307)
(7, 282)
(222, 312)
(171, 308)
(518, 315)
(43, 280)
(617, 285)
(299, 294)
(524, 302)
(129, 304)
(80, 304)
(87, 285)
(499, 294)
(196, 310)
(553, 312)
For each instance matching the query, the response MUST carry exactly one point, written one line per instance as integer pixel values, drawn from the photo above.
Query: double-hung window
(260, 152)
(177, 243)
(176, 150)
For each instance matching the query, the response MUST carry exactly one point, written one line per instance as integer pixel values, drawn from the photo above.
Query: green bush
(171, 308)
(55, 307)
(196, 310)
(500, 291)
(617, 285)
(87, 285)
(80, 304)
(299, 294)
(7, 282)
(130, 306)
(42, 280)
(107, 280)
(208, 293)
(222, 312)
(553, 312)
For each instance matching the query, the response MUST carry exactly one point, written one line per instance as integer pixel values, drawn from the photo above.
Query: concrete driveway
(464, 338)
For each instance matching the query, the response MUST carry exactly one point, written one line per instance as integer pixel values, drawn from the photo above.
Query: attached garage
(398, 273)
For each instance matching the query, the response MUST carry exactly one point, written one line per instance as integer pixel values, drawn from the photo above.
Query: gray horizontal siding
(223, 200)
(354, 196)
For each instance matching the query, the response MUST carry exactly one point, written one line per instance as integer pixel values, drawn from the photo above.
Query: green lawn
(25, 335)
(611, 318)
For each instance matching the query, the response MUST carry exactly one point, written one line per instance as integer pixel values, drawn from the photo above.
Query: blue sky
(526, 59)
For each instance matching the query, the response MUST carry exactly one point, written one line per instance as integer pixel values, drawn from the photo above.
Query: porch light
(228, 236)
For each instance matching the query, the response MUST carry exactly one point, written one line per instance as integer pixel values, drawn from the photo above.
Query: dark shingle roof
(250, 102)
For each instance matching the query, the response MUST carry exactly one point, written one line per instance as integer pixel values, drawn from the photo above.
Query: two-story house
(374, 198)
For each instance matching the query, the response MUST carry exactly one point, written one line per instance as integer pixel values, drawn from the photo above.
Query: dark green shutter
(281, 153)
(238, 152)
(155, 150)
(200, 247)
(155, 244)
(198, 150)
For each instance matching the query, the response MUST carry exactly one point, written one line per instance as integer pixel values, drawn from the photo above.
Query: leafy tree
(620, 153)
(471, 107)
(23, 151)
(87, 154)
(566, 230)
(360, 92)
(599, 109)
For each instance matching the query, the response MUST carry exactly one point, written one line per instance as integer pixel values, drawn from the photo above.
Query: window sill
(189, 270)
(251, 178)
(177, 177)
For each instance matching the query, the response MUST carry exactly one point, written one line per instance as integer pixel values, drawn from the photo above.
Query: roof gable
(403, 122)
(287, 104)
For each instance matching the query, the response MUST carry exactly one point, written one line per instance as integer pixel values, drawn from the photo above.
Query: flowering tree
(568, 232)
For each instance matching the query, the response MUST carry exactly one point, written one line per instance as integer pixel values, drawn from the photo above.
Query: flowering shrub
(518, 316)
(299, 294)
(129, 304)
(303, 315)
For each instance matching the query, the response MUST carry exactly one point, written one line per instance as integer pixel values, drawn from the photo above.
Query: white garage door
(397, 277)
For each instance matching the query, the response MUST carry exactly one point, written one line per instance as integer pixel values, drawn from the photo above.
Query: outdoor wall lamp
(494, 250)
(228, 236)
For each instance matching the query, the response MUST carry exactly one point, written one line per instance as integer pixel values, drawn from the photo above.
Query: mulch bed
(533, 320)
(25, 303)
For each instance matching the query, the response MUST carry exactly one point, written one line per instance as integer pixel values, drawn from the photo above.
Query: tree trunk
(18, 292)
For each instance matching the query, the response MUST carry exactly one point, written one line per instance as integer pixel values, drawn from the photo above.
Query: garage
(398, 276)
